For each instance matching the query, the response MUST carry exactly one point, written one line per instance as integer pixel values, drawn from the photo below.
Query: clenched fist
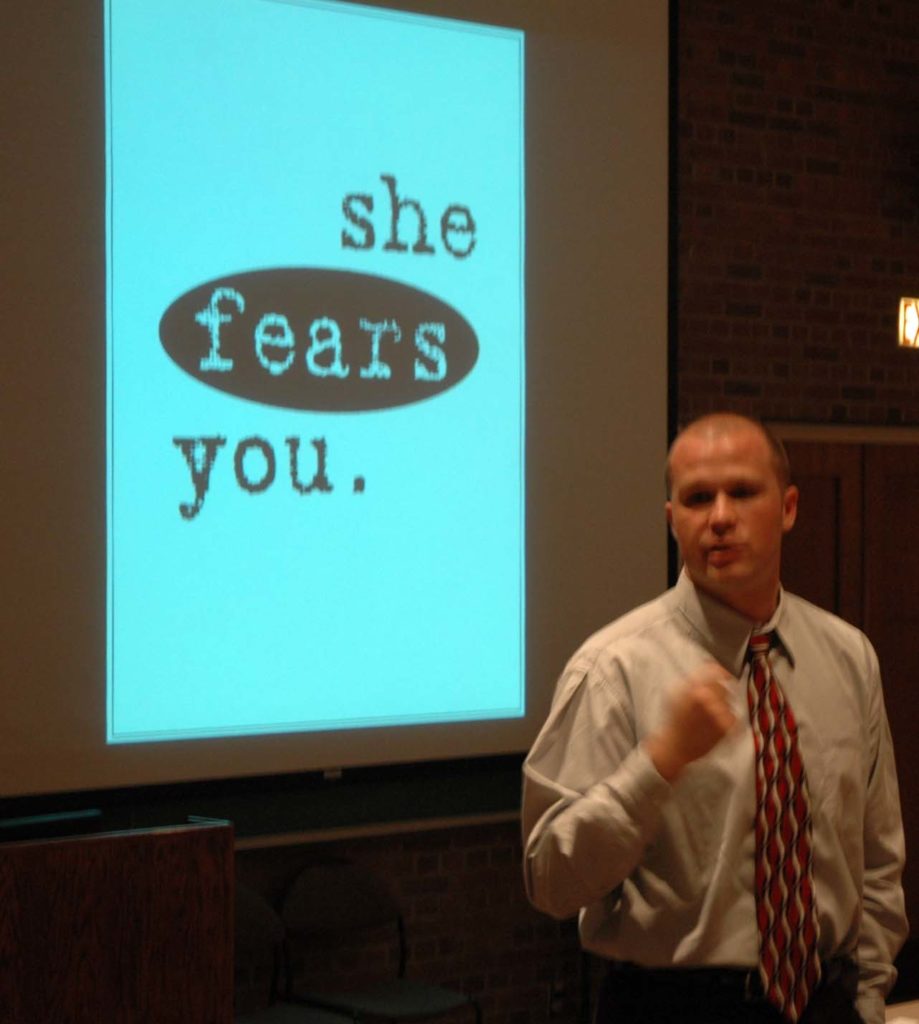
(700, 714)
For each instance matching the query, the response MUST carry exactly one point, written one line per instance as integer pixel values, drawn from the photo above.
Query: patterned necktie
(786, 908)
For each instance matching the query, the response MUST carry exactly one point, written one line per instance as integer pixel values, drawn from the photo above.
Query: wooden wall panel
(821, 557)
(892, 619)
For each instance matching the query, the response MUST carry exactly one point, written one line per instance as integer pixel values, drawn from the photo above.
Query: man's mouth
(722, 554)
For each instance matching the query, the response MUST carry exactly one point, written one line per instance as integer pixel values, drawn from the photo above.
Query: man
(724, 816)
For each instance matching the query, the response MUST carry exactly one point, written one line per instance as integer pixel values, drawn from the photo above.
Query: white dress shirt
(663, 874)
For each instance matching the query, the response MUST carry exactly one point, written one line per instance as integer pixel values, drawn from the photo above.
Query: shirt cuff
(641, 787)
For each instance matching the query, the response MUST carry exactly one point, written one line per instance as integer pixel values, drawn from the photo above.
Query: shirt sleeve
(592, 798)
(883, 924)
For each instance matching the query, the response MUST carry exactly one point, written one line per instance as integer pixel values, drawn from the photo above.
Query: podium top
(86, 822)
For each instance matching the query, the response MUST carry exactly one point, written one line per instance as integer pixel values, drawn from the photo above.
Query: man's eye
(697, 498)
(743, 491)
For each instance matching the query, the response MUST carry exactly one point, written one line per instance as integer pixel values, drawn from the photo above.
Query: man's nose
(722, 512)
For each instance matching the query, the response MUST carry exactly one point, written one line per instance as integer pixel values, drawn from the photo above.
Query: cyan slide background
(234, 130)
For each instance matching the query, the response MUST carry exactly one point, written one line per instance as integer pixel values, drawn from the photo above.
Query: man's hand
(700, 714)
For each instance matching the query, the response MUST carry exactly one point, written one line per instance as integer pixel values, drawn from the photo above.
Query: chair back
(337, 899)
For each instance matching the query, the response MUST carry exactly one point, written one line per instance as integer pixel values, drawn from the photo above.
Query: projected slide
(315, 292)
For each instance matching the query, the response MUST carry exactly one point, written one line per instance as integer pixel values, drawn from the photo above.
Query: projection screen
(335, 386)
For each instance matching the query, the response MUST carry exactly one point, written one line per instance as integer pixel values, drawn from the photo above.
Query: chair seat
(289, 1013)
(400, 999)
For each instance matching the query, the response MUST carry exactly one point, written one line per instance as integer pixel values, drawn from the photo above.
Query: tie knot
(760, 643)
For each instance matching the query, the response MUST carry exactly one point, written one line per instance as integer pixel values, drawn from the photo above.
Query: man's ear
(789, 508)
(668, 508)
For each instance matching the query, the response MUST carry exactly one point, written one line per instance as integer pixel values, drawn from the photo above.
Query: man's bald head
(717, 424)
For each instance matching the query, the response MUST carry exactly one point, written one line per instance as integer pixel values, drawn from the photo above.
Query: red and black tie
(786, 908)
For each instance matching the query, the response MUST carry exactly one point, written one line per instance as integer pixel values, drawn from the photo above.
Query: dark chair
(330, 903)
(259, 937)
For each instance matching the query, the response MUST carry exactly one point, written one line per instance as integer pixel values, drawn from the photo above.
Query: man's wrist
(664, 757)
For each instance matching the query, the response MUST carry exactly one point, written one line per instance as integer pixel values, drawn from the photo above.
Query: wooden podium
(132, 927)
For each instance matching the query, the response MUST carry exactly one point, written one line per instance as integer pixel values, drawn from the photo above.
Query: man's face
(728, 513)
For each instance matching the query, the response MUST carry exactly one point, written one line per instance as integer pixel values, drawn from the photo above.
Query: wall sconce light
(909, 323)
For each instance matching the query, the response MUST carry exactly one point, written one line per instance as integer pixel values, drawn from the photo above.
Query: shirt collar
(723, 632)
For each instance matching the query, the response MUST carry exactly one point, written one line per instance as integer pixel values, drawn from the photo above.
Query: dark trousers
(636, 995)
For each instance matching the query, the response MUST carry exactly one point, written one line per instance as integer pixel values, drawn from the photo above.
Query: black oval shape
(319, 339)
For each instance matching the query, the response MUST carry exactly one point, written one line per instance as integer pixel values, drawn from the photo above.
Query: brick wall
(798, 196)
(797, 208)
